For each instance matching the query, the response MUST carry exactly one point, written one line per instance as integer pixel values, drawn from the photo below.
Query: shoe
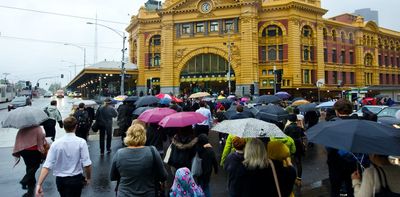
(101, 153)
(297, 182)
(108, 151)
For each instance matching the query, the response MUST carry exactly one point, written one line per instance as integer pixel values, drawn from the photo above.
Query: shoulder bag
(275, 178)
(385, 190)
(196, 168)
(158, 186)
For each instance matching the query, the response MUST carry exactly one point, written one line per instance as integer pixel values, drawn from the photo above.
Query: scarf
(184, 185)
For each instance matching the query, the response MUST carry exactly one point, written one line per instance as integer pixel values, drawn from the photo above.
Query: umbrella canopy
(231, 97)
(221, 97)
(167, 96)
(326, 104)
(88, 103)
(357, 136)
(379, 96)
(131, 99)
(24, 117)
(247, 113)
(120, 98)
(300, 102)
(249, 127)
(272, 112)
(245, 99)
(283, 95)
(155, 115)
(199, 95)
(146, 100)
(140, 110)
(182, 119)
(268, 99)
(165, 101)
(307, 107)
(208, 99)
(225, 101)
(297, 99)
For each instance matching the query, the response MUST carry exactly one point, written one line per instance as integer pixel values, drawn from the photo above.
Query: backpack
(82, 118)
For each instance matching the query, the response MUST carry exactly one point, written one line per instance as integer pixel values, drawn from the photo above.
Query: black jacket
(208, 162)
(235, 169)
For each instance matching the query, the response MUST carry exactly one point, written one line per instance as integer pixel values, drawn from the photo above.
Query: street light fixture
(121, 34)
(80, 47)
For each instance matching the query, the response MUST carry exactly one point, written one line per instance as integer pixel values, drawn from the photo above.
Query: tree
(54, 87)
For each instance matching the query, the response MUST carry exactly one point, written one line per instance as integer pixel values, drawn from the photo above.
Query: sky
(32, 43)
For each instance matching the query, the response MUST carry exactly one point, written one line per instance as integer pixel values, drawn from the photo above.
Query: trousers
(70, 186)
(103, 132)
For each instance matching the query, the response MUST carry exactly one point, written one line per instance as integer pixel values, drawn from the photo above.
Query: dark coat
(235, 169)
(208, 162)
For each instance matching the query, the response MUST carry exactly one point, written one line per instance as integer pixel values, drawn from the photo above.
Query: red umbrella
(155, 115)
(182, 119)
(172, 98)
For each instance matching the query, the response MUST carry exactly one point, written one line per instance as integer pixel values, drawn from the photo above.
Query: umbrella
(249, 127)
(199, 95)
(379, 96)
(165, 101)
(182, 119)
(172, 98)
(297, 99)
(357, 136)
(88, 103)
(225, 101)
(231, 97)
(272, 112)
(131, 99)
(221, 97)
(268, 99)
(120, 98)
(155, 115)
(24, 117)
(244, 99)
(283, 95)
(326, 104)
(208, 99)
(300, 102)
(232, 111)
(146, 100)
(140, 110)
(307, 107)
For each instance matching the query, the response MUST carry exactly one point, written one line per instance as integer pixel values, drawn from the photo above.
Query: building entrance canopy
(103, 79)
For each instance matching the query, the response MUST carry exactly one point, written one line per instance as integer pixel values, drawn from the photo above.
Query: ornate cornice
(296, 5)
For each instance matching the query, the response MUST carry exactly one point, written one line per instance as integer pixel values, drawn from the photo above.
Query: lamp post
(229, 44)
(82, 48)
(122, 34)
(74, 65)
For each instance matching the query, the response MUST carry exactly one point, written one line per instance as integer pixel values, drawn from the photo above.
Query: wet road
(314, 165)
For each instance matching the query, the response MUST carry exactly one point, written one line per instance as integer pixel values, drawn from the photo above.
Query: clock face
(206, 7)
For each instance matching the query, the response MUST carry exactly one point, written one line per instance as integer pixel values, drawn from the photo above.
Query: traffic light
(62, 76)
(252, 89)
(37, 84)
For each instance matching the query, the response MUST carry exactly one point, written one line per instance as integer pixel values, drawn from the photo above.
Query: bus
(7, 92)
(60, 94)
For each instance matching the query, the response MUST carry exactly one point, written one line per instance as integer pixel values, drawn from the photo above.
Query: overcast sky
(31, 60)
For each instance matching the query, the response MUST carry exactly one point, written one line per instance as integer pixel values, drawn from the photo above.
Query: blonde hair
(139, 122)
(255, 155)
(135, 136)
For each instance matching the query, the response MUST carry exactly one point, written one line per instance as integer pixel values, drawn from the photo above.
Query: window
(263, 54)
(199, 27)
(344, 81)
(270, 72)
(312, 53)
(380, 59)
(272, 53)
(306, 78)
(273, 31)
(214, 26)
(334, 35)
(206, 64)
(155, 40)
(186, 28)
(229, 25)
(368, 60)
(264, 72)
(392, 61)
(343, 37)
(386, 60)
(307, 32)
(351, 77)
(157, 59)
(393, 78)
(387, 79)
(334, 56)
(398, 62)
(342, 57)
(325, 33)
(280, 55)
(306, 53)
(334, 77)
(325, 55)
(265, 83)
(351, 38)
(351, 57)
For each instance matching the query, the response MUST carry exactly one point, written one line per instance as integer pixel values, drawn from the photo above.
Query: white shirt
(67, 156)
(206, 113)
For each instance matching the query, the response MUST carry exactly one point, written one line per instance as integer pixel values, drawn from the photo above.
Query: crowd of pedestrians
(254, 166)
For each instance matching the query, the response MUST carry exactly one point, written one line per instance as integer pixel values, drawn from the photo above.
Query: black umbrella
(232, 112)
(357, 136)
(140, 110)
(297, 99)
(307, 107)
(146, 101)
(268, 99)
(131, 99)
(272, 112)
(379, 96)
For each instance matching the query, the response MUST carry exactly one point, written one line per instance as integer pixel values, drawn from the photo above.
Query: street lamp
(82, 48)
(122, 34)
(229, 44)
(74, 64)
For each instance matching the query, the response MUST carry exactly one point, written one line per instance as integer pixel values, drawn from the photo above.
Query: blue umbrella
(272, 112)
(268, 99)
(326, 104)
(283, 95)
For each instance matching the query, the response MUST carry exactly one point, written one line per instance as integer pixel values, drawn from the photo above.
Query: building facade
(205, 45)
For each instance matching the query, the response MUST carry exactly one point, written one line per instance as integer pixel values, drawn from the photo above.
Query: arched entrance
(206, 72)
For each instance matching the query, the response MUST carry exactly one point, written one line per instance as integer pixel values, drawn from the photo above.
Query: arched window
(351, 38)
(155, 40)
(307, 31)
(334, 35)
(134, 52)
(325, 33)
(154, 54)
(343, 37)
(272, 31)
(206, 64)
(368, 60)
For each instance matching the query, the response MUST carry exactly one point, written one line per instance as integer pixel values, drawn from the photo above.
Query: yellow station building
(183, 46)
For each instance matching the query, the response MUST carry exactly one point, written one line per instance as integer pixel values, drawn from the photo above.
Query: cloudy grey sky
(31, 43)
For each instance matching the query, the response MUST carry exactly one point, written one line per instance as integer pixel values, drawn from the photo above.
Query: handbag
(95, 127)
(275, 178)
(384, 191)
(196, 168)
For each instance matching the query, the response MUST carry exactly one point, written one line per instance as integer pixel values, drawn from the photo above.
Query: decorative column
(294, 56)
(167, 72)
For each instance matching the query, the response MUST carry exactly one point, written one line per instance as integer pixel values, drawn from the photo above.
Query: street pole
(123, 64)
(274, 78)
(82, 48)
(319, 94)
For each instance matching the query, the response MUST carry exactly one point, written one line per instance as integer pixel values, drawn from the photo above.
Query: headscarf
(276, 150)
(184, 185)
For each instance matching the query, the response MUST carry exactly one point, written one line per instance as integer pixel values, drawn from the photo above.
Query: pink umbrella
(182, 119)
(155, 115)
(172, 98)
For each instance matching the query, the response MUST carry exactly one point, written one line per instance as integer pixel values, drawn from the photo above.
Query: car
(77, 94)
(373, 108)
(19, 101)
(388, 116)
(60, 93)
(48, 95)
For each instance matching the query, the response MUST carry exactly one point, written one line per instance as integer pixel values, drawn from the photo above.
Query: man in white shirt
(205, 126)
(66, 157)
